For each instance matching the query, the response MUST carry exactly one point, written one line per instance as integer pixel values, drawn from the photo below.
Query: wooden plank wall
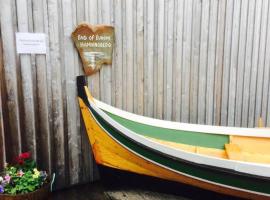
(198, 61)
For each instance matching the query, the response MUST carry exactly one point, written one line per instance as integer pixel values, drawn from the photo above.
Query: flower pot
(42, 193)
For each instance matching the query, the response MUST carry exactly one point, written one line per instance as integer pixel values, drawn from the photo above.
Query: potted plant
(22, 180)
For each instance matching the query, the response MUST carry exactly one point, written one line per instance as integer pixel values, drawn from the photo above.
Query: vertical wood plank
(148, 60)
(248, 64)
(112, 11)
(219, 62)
(94, 84)
(43, 135)
(254, 66)
(118, 54)
(187, 32)
(48, 71)
(80, 16)
(241, 63)
(2, 135)
(105, 72)
(124, 58)
(129, 55)
(212, 40)
(268, 111)
(86, 162)
(203, 62)
(261, 62)
(174, 41)
(29, 132)
(195, 58)
(266, 77)
(159, 61)
(158, 55)
(168, 58)
(57, 99)
(233, 62)
(73, 135)
(10, 73)
(139, 81)
(2, 131)
(92, 18)
(178, 60)
(226, 62)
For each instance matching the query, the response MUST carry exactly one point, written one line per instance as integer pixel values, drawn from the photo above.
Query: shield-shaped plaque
(95, 45)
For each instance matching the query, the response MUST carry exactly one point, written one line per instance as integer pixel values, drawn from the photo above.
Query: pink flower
(20, 173)
(7, 178)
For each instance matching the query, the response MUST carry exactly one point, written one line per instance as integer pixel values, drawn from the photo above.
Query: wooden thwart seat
(249, 149)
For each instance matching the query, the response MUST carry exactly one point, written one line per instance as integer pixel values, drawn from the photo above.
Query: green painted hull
(179, 136)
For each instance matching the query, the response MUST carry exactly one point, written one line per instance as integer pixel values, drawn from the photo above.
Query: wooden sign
(95, 45)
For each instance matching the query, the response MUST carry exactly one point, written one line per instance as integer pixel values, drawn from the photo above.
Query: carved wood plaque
(95, 45)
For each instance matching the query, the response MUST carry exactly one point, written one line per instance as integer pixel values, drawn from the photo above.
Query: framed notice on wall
(95, 45)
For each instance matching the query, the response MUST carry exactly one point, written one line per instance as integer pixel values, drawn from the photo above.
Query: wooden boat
(230, 160)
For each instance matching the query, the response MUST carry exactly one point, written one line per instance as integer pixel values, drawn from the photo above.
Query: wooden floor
(96, 191)
(116, 185)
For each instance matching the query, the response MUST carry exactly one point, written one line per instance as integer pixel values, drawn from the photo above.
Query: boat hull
(112, 149)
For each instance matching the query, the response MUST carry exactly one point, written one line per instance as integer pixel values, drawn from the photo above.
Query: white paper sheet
(31, 43)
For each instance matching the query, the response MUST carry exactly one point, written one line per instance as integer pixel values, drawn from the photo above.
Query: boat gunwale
(220, 130)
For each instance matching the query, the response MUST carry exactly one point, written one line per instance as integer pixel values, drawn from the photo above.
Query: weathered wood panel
(2, 132)
(23, 11)
(42, 86)
(10, 74)
(195, 60)
(184, 60)
(241, 63)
